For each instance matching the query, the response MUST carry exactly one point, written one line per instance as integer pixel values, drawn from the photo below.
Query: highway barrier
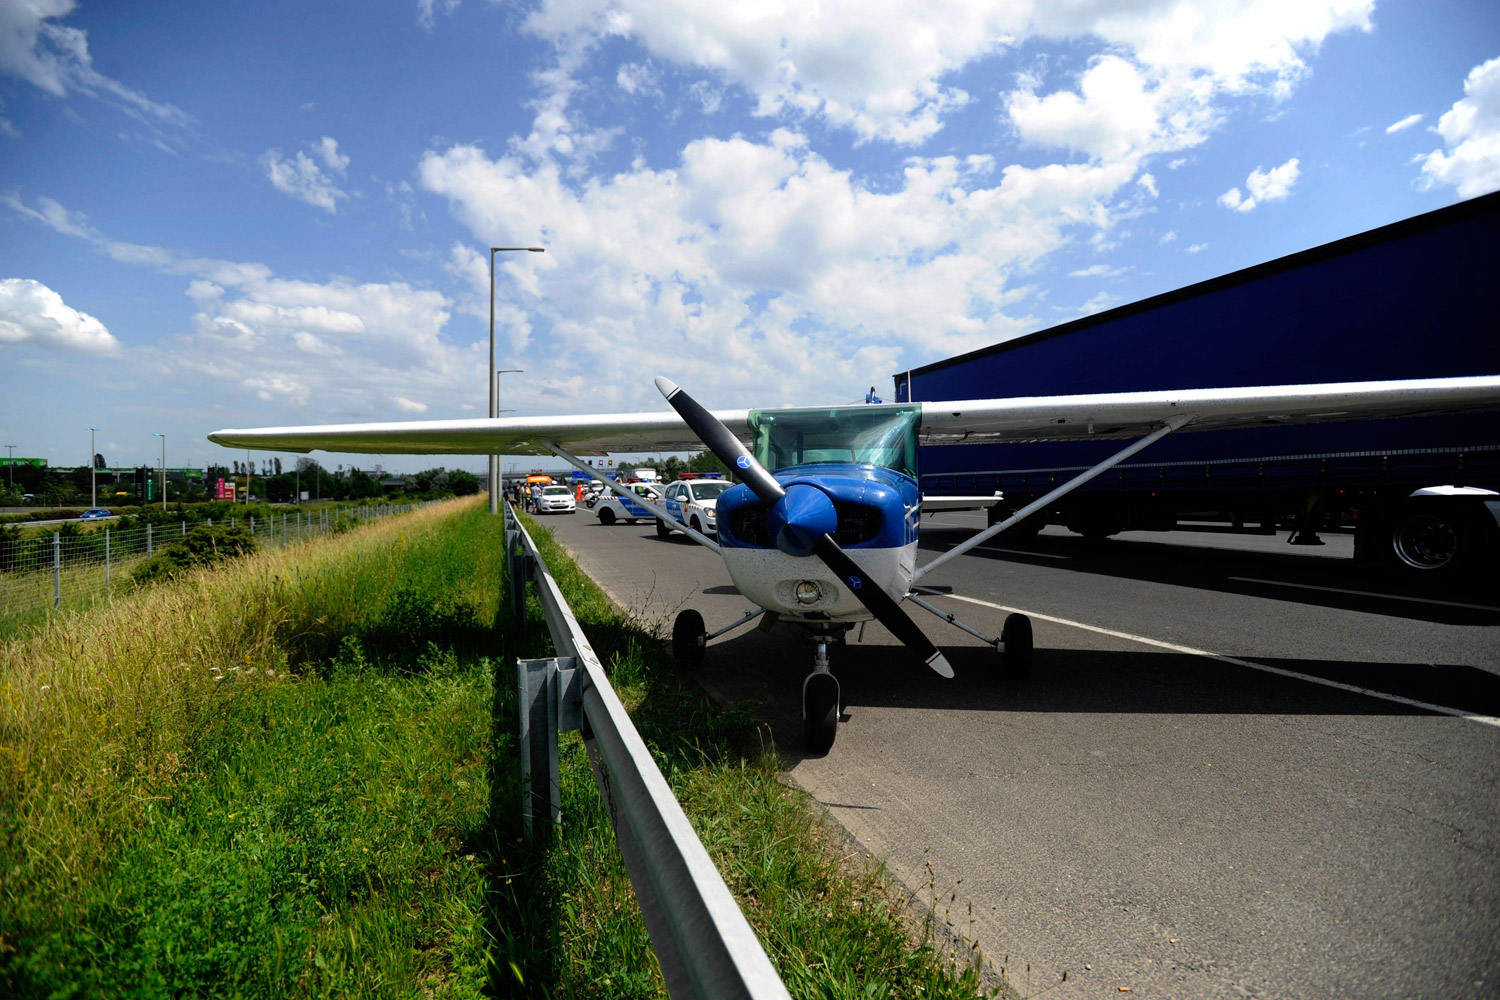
(704, 944)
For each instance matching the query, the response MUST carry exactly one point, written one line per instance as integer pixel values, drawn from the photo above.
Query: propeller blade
(886, 610)
(725, 446)
(728, 449)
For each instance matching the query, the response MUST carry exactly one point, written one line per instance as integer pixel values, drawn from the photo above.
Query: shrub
(204, 545)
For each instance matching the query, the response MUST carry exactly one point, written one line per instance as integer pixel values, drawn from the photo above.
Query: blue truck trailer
(1418, 298)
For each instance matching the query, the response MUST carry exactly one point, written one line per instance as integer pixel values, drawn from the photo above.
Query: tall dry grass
(98, 709)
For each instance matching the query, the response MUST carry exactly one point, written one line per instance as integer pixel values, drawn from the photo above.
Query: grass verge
(265, 780)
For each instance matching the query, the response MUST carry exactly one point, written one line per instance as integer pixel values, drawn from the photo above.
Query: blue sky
(217, 215)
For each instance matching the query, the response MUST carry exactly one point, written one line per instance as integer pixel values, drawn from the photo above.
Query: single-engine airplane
(821, 533)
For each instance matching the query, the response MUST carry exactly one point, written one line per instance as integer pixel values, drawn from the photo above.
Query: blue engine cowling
(872, 507)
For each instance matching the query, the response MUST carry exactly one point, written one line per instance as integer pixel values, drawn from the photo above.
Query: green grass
(296, 776)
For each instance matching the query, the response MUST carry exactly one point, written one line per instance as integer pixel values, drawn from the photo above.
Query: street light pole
(163, 468)
(494, 388)
(93, 471)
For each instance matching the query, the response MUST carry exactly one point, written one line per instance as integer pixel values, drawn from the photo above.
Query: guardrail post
(56, 568)
(550, 703)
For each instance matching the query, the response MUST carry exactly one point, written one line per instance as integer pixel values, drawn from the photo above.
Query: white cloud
(1232, 199)
(410, 405)
(56, 58)
(374, 342)
(1264, 185)
(1099, 271)
(712, 98)
(1170, 236)
(426, 11)
(328, 150)
(30, 312)
(1197, 248)
(1402, 125)
(791, 272)
(304, 179)
(636, 78)
(1099, 303)
(884, 69)
(1470, 159)
(1118, 114)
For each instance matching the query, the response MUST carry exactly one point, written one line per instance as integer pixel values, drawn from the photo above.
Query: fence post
(56, 568)
(106, 562)
(184, 529)
(148, 541)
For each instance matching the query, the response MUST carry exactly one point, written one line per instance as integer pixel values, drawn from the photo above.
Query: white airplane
(822, 532)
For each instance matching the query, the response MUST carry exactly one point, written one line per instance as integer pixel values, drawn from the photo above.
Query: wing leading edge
(587, 434)
(974, 421)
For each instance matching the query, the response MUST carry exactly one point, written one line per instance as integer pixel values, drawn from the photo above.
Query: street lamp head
(528, 249)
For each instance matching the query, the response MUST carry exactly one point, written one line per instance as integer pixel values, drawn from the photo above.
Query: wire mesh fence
(72, 567)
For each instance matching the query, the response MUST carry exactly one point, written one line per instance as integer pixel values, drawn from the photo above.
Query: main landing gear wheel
(1016, 635)
(689, 638)
(820, 712)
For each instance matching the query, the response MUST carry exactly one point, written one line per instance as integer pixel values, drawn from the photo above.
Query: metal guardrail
(704, 944)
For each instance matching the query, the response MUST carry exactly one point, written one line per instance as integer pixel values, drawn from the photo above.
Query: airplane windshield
(867, 435)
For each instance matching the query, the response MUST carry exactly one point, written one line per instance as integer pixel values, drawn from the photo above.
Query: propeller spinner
(802, 519)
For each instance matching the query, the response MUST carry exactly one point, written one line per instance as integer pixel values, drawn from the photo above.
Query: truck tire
(1431, 537)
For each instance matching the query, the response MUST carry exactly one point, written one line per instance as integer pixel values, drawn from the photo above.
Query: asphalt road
(1190, 797)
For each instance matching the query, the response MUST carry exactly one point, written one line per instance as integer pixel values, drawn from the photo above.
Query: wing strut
(615, 487)
(1172, 424)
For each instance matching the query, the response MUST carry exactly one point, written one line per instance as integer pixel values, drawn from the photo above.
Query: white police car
(612, 507)
(556, 500)
(693, 502)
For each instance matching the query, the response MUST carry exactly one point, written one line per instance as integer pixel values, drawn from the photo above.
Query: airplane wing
(588, 434)
(1131, 414)
(1034, 418)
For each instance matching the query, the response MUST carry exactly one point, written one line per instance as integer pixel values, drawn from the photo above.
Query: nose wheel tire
(820, 712)
(1016, 635)
(689, 638)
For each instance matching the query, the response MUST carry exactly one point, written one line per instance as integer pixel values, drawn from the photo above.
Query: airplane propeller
(801, 518)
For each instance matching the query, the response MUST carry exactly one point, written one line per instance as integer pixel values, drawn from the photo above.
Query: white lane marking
(1020, 552)
(1488, 720)
(1366, 593)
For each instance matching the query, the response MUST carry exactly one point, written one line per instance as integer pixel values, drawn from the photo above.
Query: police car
(692, 501)
(612, 507)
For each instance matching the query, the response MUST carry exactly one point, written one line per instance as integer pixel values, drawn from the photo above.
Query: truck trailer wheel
(1431, 539)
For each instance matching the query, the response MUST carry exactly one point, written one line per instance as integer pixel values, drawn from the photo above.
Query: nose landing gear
(820, 702)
